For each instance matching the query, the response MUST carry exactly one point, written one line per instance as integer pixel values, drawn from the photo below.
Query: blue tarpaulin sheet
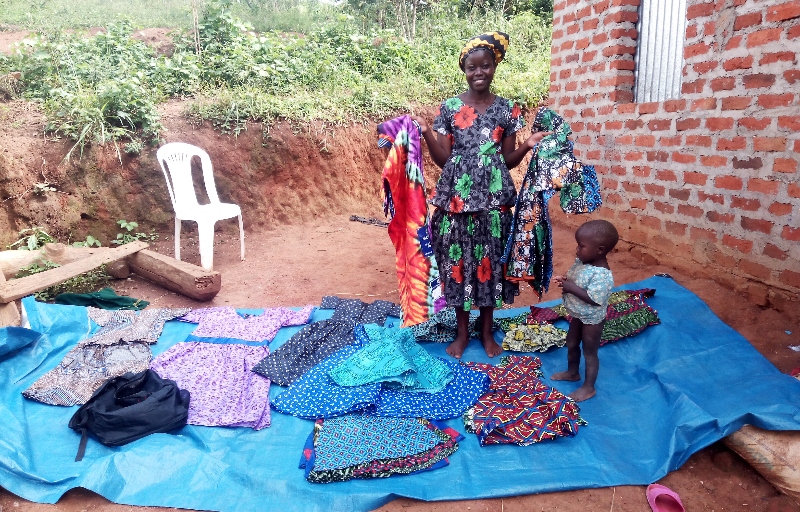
(662, 396)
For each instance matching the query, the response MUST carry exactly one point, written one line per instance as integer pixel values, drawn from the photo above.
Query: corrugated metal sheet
(659, 56)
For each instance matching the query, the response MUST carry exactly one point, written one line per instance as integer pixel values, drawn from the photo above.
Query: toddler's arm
(568, 286)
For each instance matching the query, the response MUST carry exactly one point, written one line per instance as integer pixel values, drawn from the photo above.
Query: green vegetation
(88, 282)
(369, 60)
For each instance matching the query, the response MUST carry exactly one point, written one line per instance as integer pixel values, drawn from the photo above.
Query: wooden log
(12, 261)
(190, 280)
(9, 314)
(18, 288)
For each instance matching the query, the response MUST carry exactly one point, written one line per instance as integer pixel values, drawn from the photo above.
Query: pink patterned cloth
(224, 392)
(225, 322)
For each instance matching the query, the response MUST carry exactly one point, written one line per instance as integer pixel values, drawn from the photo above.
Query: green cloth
(104, 299)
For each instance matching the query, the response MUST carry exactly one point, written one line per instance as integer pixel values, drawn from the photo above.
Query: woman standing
(475, 145)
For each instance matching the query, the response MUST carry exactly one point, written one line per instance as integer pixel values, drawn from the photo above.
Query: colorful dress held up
(473, 200)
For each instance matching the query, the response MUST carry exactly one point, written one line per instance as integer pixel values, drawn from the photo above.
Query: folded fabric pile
(348, 447)
(534, 337)
(519, 408)
(219, 324)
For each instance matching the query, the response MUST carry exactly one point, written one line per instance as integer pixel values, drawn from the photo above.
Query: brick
(747, 20)
(704, 104)
(747, 163)
(617, 80)
(713, 161)
(584, 13)
(775, 252)
(618, 49)
(790, 277)
(738, 63)
(638, 203)
(743, 246)
(671, 141)
(573, 29)
(763, 186)
(625, 140)
(564, 74)
(654, 190)
(780, 209)
(760, 225)
(633, 156)
(664, 207)
(614, 199)
(704, 67)
(572, 58)
(659, 124)
(752, 123)
(707, 234)
(594, 154)
(641, 171)
(793, 190)
(582, 43)
(683, 158)
(687, 124)
(789, 122)
(589, 56)
(610, 125)
(633, 124)
(736, 103)
(695, 87)
(698, 10)
(681, 194)
(651, 222)
(691, 31)
(790, 233)
(770, 58)
(666, 175)
(676, 228)
(690, 211)
(631, 186)
(674, 105)
(622, 64)
(695, 178)
(621, 96)
(647, 141)
(710, 28)
(758, 80)
(775, 100)
(763, 37)
(722, 218)
(742, 203)
(769, 144)
(703, 141)
(734, 42)
(725, 83)
(696, 49)
(619, 170)
(733, 144)
(657, 156)
(620, 33)
(787, 165)
(621, 17)
(728, 182)
(590, 24)
(648, 108)
(714, 198)
(719, 123)
(600, 38)
(783, 12)
(755, 269)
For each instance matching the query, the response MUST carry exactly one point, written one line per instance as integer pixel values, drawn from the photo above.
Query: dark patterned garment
(519, 408)
(442, 326)
(340, 449)
(627, 314)
(315, 342)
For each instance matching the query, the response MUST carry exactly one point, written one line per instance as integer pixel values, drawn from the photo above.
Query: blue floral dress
(473, 197)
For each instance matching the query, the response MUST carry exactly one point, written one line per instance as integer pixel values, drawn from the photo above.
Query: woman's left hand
(536, 138)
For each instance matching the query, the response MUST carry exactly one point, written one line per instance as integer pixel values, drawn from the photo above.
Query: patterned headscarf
(495, 41)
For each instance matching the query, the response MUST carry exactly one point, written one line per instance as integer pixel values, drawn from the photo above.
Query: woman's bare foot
(456, 349)
(582, 393)
(491, 347)
(572, 377)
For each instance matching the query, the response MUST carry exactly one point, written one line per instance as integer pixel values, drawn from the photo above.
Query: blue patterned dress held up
(473, 200)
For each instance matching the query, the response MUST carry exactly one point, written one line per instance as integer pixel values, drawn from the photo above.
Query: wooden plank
(9, 314)
(187, 279)
(12, 261)
(18, 288)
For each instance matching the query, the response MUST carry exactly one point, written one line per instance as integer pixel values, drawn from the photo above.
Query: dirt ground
(297, 265)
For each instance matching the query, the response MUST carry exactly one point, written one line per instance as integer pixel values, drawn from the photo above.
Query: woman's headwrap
(495, 41)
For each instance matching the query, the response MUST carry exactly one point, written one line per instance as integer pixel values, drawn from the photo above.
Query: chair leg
(177, 238)
(241, 235)
(206, 235)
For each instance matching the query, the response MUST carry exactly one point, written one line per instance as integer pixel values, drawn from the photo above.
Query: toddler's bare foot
(456, 349)
(491, 347)
(572, 377)
(582, 393)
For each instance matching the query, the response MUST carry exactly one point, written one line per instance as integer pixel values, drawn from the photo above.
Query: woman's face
(479, 67)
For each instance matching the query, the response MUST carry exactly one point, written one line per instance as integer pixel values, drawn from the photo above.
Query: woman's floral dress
(473, 198)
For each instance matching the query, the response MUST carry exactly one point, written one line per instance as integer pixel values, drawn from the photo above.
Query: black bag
(130, 407)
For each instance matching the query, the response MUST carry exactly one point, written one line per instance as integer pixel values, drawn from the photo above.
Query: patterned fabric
(469, 247)
(340, 449)
(121, 345)
(475, 178)
(393, 357)
(404, 198)
(529, 252)
(597, 281)
(534, 337)
(224, 391)
(627, 314)
(316, 341)
(507, 323)
(497, 42)
(442, 326)
(519, 408)
(225, 322)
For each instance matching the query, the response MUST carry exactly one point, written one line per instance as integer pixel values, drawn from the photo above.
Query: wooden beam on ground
(187, 279)
(9, 314)
(13, 260)
(18, 288)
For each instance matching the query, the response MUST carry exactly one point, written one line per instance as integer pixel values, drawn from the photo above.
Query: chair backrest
(175, 159)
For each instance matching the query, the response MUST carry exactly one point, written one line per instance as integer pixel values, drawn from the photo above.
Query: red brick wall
(710, 178)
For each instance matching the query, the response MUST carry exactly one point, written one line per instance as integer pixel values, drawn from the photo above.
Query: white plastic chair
(175, 159)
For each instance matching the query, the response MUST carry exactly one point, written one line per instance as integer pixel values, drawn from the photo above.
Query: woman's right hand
(423, 124)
